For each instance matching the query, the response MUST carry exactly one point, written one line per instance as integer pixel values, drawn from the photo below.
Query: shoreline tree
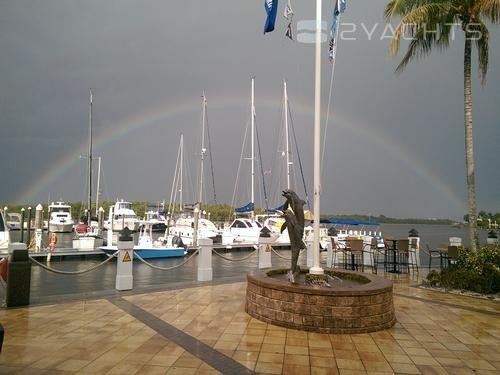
(431, 24)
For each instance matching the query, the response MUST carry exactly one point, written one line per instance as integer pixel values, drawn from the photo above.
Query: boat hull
(61, 228)
(87, 243)
(150, 253)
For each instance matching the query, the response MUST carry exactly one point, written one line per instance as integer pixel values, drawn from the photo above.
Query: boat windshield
(207, 225)
(124, 206)
(13, 218)
(60, 209)
(125, 216)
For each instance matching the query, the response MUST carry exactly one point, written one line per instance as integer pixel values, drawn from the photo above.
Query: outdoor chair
(355, 248)
(431, 254)
(375, 254)
(337, 250)
(451, 255)
(402, 255)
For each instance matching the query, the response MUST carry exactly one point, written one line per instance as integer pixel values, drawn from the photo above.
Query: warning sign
(126, 257)
(268, 248)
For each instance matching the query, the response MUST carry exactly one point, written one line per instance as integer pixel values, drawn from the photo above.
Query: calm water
(102, 280)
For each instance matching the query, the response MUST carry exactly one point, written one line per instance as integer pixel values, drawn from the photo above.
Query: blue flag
(339, 7)
(271, 7)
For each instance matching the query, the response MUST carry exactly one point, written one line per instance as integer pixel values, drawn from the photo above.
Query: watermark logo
(306, 31)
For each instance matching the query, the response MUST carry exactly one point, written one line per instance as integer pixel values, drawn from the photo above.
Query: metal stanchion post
(124, 277)
(265, 252)
(205, 259)
(310, 250)
(329, 253)
(38, 227)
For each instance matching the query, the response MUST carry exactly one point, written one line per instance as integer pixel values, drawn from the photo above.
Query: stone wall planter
(364, 308)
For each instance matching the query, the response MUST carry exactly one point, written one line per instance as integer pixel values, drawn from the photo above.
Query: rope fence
(234, 260)
(60, 272)
(283, 257)
(166, 268)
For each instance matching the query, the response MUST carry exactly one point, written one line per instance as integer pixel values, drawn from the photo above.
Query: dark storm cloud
(394, 144)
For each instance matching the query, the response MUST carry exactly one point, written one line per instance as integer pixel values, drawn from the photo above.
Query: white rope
(166, 268)
(278, 254)
(283, 257)
(234, 260)
(71, 272)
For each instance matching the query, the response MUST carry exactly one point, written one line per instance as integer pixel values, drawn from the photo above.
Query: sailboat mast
(180, 171)
(89, 202)
(98, 186)
(285, 108)
(253, 148)
(204, 104)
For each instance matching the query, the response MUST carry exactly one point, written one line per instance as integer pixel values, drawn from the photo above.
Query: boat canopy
(348, 222)
(247, 208)
(274, 210)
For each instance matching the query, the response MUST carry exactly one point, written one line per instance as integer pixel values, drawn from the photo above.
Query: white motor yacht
(60, 220)
(184, 228)
(245, 230)
(13, 220)
(124, 216)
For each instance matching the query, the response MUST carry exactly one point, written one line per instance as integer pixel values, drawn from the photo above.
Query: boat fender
(52, 241)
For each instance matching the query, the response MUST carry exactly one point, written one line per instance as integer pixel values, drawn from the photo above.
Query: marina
(47, 285)
(344, 237)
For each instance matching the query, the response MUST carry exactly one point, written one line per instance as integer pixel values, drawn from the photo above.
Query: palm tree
(432, 23)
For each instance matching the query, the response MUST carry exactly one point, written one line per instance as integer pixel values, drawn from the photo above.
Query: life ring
(52, 241)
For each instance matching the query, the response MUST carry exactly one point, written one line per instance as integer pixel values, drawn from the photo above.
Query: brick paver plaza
(204, 330)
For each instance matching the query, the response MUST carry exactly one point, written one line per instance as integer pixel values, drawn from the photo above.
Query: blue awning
(247, 208)
(348, 222)
(274, 210)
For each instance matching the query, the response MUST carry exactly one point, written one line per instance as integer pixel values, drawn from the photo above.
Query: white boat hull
(131, 225)
(61, 227)
(87, 243)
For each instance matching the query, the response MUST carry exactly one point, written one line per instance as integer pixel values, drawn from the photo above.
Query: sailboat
(90, 238)
(188, 227)
(247, 229)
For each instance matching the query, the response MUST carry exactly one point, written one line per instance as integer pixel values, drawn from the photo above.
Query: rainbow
(159, 116)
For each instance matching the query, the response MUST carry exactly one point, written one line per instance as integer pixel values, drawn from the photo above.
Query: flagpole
(316, 269)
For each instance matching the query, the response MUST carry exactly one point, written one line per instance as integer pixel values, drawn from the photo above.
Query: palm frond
(479, 33)
(488, 9)
(431, 21)
(398, 8)
(418, 47)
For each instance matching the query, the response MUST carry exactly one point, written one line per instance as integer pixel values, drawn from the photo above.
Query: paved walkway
(205, 330)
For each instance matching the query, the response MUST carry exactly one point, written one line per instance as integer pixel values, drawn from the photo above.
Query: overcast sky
(394, 144)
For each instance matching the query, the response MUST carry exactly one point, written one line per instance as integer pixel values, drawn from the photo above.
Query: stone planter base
(364, 308)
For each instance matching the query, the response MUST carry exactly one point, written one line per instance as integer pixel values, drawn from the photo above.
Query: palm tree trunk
(469, 144)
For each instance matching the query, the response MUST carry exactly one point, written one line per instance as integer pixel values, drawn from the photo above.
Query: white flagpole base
(316, 271)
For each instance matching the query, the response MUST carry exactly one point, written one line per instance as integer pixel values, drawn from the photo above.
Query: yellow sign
(268, 248)
(126, 257)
